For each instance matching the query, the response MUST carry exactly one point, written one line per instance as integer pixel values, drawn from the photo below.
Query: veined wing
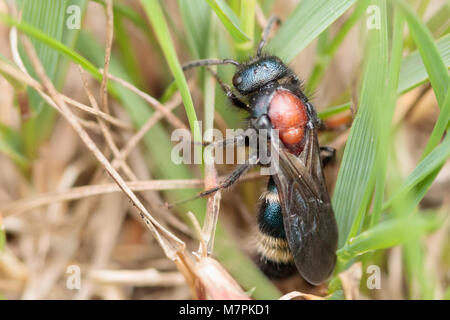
(309, 221)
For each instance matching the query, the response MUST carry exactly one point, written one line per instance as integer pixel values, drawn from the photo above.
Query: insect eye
(237, 80)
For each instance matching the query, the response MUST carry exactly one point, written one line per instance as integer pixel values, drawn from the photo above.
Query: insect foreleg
(235, 101)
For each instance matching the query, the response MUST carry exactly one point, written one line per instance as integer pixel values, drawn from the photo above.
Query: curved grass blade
(413, 72)
(47, 16)
(384, 146)
(18, 86)
(127, 12)
(247, 16)
(425, 169)
(196, 17)
(228, 19)
(434, 64)
(333, 111)
(439, 23)
(157, 20)
(56, 45)
(442, 124)
(388, 234)
(309, 19)
(11, 144)
(356, 178)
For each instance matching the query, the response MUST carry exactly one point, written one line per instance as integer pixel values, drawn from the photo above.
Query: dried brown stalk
(104, 128)
(174, 121)
(109, 40)
(24, 205)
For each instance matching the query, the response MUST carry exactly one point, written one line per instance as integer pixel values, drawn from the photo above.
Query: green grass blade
(413, 72)
(333, 111)
(158, 22)
(355, 178)
(127, 12)
(196, 21)
(56, 45)
(439, 23)
(434, 64)
(384, 146)
(388, 234)
(47, 16)
(326, 51)
(309, 19)
(12, 145)
(415, 262)
(127, 52)
(228, 19)
(440, 127)
(17, 85)
(425, 169)
(247, 16)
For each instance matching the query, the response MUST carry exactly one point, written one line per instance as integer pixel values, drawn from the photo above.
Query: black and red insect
(298, 230)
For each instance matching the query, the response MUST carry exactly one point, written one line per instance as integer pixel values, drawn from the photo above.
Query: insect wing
(309, 221)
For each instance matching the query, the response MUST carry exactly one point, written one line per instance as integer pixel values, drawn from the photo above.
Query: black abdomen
(274, 256)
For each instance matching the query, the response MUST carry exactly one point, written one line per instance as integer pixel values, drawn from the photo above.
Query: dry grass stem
(24, 205)
(173, 120)
(109, 40)
(104, 128)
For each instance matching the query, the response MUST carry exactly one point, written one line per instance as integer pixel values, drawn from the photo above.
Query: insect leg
(328, 155)
(266, 32)
(234, 176)
(229, 93)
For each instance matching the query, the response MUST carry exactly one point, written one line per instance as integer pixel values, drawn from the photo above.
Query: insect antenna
(266, 32)
(209, 62)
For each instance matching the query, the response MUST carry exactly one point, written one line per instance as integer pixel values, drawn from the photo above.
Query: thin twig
(174, 121)
(27, 204)
(152, 120)
(198, 231)
(107, 117)
(105, 130)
